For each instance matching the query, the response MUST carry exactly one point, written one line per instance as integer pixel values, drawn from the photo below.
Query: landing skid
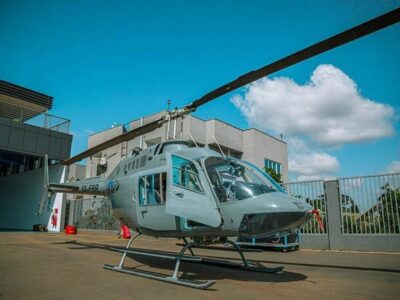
(161, 277)
(245, 265)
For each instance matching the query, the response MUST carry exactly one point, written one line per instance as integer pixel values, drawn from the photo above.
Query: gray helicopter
(177, 190)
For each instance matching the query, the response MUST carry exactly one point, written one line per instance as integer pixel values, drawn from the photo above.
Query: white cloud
(329, 109)
(308, 163)
(393, 167)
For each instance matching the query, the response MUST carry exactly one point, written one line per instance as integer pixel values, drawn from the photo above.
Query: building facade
(252, 145)
(27, 133)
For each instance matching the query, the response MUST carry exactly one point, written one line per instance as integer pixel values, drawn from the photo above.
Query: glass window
(143, 161)
(142, 191)
(270, 164)
(153, 189)
(232, 180)
(267, 177)
(185, 174)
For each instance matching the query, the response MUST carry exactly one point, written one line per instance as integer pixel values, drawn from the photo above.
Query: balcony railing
(50, 122)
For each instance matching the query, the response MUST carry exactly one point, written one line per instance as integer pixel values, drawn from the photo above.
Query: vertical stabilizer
(45, 192)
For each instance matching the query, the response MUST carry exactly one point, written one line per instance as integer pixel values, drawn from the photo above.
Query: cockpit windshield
(232, 180)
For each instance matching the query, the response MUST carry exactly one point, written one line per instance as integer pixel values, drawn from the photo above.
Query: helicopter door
(151, 205)
(189, 195)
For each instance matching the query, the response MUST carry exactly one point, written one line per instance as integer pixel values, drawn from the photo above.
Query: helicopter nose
(281, 214)
(272, 224)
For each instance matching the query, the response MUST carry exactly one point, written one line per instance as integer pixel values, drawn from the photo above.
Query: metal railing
(313, 193)
(51, 122)
(370, 204)
(95, 213)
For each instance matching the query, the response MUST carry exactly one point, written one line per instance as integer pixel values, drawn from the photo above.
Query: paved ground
(43, 266)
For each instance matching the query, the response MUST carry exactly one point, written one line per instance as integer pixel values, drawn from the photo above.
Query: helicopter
(175, 189)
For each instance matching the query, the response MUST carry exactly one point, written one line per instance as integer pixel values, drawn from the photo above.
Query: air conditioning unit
(103, 161)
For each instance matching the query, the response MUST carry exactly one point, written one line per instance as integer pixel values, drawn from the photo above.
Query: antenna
(168, 118)
(182, 118)
(174, 134)
(219, 147)
(141, 136)
(197, 146)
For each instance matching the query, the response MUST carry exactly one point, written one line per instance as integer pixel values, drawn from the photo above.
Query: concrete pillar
(332, 198)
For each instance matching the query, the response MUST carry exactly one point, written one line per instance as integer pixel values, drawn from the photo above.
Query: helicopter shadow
(198, 271)
(189, 270)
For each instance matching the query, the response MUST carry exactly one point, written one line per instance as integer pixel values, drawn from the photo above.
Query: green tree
(348, 204)
(106, 214)
(388, 209)
(318, 203)
(349, 207)
(275, 176)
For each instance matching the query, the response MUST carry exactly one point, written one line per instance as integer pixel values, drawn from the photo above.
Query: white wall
(20, 196)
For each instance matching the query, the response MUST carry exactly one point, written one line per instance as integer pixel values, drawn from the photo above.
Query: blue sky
(107, 61)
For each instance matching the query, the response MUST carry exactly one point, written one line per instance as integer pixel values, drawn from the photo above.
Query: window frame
(274, 165)
(142, 189)
(198, 169)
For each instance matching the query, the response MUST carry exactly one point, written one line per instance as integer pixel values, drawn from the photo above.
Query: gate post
(332, 198)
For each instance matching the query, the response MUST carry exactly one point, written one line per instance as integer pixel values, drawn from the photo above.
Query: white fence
(359, 213)
(313, 193)
(370, 204)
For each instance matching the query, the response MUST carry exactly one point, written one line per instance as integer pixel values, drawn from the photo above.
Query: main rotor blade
(127, 136)
(354, 33)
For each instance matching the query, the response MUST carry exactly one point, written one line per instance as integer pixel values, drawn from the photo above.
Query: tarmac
(59, 266)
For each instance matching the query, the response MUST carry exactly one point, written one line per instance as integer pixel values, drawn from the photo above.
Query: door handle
(179, 194)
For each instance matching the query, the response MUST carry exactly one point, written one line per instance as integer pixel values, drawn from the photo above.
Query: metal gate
(359, 213)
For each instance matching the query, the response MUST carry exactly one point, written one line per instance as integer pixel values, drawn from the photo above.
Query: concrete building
(250, 144)
(27, 133)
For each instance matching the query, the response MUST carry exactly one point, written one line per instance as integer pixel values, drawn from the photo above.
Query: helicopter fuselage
(174, 190)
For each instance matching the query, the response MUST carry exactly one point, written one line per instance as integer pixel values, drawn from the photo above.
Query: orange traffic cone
(126, 233)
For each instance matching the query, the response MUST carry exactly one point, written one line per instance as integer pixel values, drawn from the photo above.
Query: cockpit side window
(185, 174)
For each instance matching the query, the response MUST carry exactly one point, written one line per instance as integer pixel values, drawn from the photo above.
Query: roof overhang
(19, 103)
